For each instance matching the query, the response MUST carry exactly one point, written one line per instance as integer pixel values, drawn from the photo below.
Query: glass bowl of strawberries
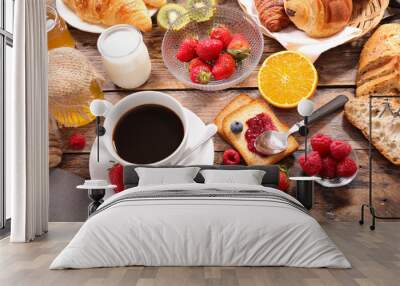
(213, 54)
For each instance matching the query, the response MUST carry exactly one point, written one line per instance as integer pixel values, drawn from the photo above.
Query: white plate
(72, 19)
(202, 156)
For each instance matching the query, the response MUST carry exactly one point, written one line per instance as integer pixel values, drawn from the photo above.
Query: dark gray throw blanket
(203, 194)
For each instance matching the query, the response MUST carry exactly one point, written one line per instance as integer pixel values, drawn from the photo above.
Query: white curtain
(26, 124)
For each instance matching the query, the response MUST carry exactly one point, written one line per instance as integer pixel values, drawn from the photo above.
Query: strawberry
(209, 49)
(239, 47)
(197, 62)
(200, 74)
(224, 67)
(284, 183)
(116, 176)
(187, 50)
(77, 141)
(221, 33)
(231, 157)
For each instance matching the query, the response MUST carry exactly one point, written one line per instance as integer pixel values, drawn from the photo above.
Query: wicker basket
(367, 14)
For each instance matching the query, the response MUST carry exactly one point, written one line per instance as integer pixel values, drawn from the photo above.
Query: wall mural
(306, 110)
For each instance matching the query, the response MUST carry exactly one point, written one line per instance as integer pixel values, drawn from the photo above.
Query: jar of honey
(58, 34)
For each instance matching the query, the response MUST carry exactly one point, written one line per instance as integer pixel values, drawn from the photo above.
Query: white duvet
(204, 231)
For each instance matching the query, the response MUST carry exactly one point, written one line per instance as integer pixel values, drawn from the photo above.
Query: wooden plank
(339, 204)
(332, 72)
(207, 106)
(374, 257)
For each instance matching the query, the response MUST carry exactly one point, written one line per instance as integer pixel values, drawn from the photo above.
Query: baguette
(239, 142)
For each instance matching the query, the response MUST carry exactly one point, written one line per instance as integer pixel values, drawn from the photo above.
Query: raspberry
(77, 141)
(328, 168)
(231, 157)
(346, 168)
(313, 164)
(340, 149)
(321, 143)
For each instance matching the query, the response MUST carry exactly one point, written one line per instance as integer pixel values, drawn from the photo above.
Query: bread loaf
(113, 12)
(385, 124)
(379, 66)
(272, 14)
(319, 18)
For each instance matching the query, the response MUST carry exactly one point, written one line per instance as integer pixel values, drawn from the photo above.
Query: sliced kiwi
(169, 14)
(201, 10)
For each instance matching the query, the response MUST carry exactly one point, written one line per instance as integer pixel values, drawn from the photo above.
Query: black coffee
(147, 134)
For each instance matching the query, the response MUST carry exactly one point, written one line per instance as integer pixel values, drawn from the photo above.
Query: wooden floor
(375, 257)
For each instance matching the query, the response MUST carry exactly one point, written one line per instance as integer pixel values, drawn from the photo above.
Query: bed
(201, 224)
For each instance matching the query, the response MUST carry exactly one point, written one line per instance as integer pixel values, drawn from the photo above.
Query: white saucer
(202, 156)
(72, 19)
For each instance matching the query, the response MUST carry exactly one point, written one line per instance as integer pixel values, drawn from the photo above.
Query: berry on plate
(187, 50)
(321, 143)
(284, 182)
(209, 49)
(328, 168)
(340, 149)
(239, 47)
(197, 62)
(224, 67)
(77, 141)
(346, 168)
(221, 33)
(200, 74)
(313, 165)
(231, 157)
(236, 127)
(116, 176)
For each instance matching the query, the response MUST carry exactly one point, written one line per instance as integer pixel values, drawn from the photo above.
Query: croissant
(272, 14)
(155, 3)
(113, 12)
(319, 18)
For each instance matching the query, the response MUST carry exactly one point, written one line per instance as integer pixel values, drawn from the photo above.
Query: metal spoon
(274, 142)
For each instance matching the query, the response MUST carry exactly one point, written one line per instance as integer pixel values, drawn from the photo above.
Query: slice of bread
(379, 72)
(385, 126)
(239, 142)
(238, 101)
(385, 85)
(380, 48)
(379, 65)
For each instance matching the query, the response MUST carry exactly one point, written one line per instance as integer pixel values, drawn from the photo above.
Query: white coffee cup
(113, 114)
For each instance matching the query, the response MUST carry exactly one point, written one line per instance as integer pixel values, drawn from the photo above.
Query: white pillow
(166, 176)
(247, 177)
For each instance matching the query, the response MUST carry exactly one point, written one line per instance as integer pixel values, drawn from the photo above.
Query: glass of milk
(125, 56)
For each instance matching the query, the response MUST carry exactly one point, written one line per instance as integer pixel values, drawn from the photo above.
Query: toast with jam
(255, 117)
(238, 101)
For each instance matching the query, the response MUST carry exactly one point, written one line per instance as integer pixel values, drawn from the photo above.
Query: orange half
(285, 78)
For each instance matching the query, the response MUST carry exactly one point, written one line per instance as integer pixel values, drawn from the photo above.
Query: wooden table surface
(337, 70)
